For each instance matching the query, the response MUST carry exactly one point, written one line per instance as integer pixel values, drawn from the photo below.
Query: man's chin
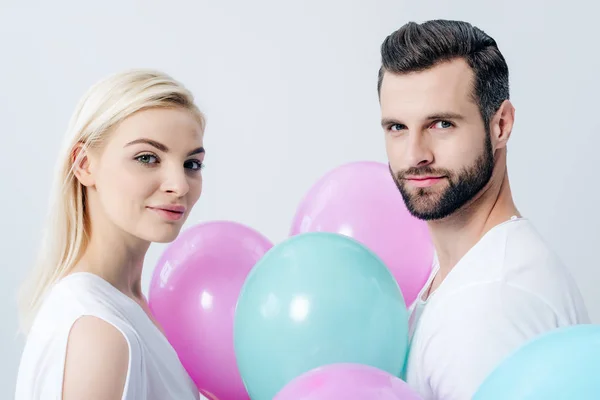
(425, 212)
(424, 215)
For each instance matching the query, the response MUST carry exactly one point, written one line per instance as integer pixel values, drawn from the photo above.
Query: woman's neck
(116, 257)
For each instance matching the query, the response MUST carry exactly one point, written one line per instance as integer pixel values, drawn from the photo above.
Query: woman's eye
(194, 165)
(147, 159)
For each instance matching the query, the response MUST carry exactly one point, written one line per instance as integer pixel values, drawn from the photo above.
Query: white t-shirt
(509, 288)
(154, 371)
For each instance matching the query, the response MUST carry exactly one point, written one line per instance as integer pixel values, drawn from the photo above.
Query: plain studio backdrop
(289, 90)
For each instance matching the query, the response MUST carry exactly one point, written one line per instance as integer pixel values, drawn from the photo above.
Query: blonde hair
(104, 106)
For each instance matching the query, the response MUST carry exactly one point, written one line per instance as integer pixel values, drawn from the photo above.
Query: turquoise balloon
(315, 299)
(563, 364)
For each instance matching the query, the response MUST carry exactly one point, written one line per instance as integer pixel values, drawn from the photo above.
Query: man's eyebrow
(390, 121)
(445, 115)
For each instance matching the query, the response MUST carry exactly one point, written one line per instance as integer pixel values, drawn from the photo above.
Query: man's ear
(81, 165)
(502, 124)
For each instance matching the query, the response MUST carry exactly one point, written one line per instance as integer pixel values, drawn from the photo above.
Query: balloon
(362, 201)
(561, 364)
(193, 293)
(316, 299)
(348, 382)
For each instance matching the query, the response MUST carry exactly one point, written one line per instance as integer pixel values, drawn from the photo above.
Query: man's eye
(442, 125)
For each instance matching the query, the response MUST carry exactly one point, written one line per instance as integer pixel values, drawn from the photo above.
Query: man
(447, 117)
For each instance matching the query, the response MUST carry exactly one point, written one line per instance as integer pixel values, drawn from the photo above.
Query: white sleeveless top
(154, 371)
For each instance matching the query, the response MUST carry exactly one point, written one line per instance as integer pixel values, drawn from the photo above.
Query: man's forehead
(444, 85)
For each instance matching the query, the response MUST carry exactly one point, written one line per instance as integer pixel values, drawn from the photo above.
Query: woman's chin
(162, 235)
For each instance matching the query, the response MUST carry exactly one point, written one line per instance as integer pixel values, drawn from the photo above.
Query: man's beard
(427, 204)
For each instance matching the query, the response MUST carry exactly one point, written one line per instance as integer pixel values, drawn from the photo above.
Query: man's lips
(423, 181)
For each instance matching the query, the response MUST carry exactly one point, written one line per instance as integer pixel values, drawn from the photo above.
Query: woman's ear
(502, 124)
(81, 165)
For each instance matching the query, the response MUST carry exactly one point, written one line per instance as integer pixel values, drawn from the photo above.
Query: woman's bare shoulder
(96, 362)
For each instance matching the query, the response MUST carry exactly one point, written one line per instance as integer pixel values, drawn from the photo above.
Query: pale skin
(148, 162)
(431, 119)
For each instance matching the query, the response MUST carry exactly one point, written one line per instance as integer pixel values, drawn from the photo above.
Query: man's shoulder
(525, 245)
(507, 291)
(531, 264)
(519, 256)
(516, 266)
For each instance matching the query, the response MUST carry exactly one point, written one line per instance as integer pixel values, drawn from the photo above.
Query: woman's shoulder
(96, 348)
(79, 317)
(82, 294)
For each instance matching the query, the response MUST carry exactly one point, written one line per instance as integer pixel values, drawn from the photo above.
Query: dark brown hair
(416, 47)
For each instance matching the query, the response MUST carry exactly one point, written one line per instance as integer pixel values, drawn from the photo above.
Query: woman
(129, 175)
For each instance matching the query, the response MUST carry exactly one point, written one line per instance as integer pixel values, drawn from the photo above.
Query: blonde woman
(128, 176)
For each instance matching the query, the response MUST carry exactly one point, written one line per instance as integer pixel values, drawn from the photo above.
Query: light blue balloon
(315, 299)
(560, 365)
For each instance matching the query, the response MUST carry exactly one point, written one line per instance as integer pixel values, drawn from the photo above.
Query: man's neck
(454, 236)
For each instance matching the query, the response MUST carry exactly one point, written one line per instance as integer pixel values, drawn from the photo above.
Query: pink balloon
(348, 382)
(193, 295)
(362, 201)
